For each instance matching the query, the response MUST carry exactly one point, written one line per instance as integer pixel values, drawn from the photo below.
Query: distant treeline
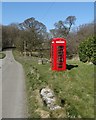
(32, 36)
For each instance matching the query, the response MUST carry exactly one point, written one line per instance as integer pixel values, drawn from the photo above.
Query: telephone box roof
(55, 39)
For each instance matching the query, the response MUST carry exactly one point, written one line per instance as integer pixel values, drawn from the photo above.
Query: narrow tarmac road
(0, 89)
(13, 88)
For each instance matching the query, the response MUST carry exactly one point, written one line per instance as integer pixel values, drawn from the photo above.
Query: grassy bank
(73, 88)
(2, 55)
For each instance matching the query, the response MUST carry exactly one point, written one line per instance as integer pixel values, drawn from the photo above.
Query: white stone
(90, 63)
(39, 61)
(48, 97)
(49, 101)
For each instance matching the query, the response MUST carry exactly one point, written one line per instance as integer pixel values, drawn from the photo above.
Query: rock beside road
(49, 99)
(43, 61)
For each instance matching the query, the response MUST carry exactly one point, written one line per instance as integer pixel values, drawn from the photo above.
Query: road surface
(0, 89)
(13, 88)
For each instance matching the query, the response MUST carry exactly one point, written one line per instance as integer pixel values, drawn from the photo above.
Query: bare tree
(70, 20)
(39, 27)
(62, 28)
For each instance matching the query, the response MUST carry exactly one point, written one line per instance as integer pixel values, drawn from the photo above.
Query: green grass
(2, 55)
(75, 86)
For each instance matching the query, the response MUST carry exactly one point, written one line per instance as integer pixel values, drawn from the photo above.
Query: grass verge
(73, 88)
(2, 55)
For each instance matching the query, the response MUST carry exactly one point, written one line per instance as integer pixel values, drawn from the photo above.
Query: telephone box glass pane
(60, 58)
(52, 57)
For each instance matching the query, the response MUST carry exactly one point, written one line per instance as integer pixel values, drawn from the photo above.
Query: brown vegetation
(32, 36)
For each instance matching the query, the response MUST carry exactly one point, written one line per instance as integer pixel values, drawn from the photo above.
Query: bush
(94, 57)
(87, 50)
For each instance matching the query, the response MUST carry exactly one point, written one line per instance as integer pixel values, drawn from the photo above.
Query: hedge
(87, 50)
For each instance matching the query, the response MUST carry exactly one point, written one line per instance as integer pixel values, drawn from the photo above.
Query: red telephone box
(58, 54)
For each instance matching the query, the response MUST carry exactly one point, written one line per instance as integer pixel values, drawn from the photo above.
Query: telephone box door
(60, 57)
